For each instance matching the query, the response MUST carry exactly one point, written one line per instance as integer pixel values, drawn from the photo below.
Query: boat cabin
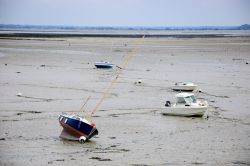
(185, 83)
(185, 98)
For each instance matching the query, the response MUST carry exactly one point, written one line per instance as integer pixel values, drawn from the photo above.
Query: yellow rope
(107, 91)
(81, 109)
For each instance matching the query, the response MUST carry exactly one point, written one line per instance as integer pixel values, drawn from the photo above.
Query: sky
(152, 13)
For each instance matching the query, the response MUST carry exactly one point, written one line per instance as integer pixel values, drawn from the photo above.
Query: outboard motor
(168, 104)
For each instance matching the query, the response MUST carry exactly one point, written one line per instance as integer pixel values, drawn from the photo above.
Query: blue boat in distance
(105, 65)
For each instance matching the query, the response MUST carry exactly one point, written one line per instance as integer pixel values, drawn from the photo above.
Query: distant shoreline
(72, 35)
(48, 31)
(79, 28)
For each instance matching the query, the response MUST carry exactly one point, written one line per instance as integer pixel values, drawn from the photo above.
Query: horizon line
(121, 26)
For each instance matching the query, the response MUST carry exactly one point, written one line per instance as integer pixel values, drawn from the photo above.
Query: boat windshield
(180, 100)
(190, 99)
(193, 98)
(186, 100)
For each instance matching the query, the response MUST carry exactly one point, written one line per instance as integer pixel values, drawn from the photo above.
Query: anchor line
(124, 65)
(82, 108)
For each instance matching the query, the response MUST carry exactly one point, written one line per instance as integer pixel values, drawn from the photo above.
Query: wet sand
(57, 75)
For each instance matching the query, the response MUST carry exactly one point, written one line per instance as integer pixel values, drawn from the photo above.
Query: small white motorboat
(186, 105)
(105, 65)
(184, 86)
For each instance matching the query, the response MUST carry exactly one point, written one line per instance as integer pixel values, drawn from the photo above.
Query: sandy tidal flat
(57, 75)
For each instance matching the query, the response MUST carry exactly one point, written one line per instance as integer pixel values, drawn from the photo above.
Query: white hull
(184, 111)
(186, 105)
(184, 87)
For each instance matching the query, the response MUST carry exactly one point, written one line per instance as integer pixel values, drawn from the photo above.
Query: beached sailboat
(184, 86)
(105, 65)
(76, 127)
(186, 105)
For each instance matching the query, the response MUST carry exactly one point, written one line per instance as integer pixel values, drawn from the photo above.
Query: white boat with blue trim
(105, 65)
(186, 105)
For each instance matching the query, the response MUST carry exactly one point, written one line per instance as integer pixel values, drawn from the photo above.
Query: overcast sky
(125, 12)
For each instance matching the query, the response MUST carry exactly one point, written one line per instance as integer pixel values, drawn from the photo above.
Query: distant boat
(186, 105)
(76, 127)
(106, 65)
(184, 86)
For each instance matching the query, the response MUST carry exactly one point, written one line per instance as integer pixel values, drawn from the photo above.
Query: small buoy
(82, 139)
(19, 94)
(138, 82)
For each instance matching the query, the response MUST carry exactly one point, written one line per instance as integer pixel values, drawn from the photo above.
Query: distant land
(73, 28)
(44, 31)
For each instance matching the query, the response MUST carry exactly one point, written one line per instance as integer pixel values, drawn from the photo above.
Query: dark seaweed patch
(100, 159)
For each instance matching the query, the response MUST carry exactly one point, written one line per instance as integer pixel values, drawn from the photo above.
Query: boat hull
(184, 88)
(103, 65)
(186, 112)
(73, 128)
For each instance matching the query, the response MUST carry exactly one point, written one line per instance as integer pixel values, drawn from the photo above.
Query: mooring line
(124, 65)
(82, 108)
